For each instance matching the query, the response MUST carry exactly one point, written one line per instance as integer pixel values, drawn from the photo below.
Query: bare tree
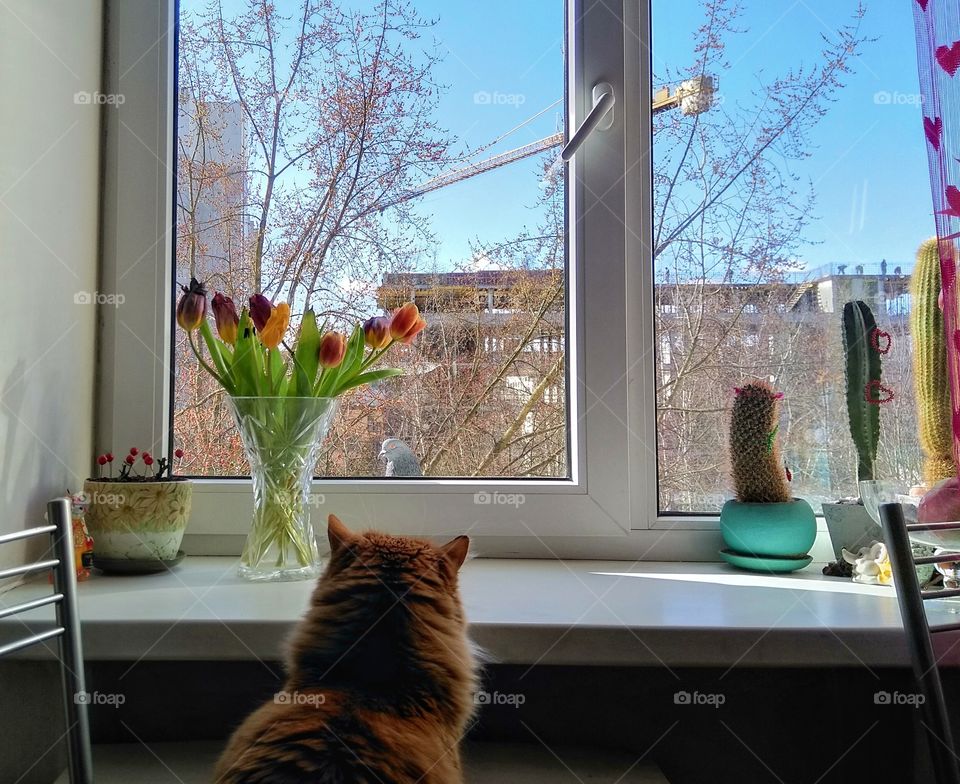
(337, 107)
(728, 219)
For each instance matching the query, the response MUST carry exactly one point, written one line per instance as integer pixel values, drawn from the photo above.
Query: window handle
(599, 118)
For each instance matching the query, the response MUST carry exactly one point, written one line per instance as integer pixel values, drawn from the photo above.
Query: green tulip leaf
(369, 377)
(244, 366)
(306, 356)
(277, 370)
(212, 346)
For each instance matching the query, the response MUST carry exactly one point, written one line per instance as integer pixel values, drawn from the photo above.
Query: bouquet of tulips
(246, 357)
(283, 398)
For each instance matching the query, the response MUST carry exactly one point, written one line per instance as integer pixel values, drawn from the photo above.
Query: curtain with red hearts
(937, 25)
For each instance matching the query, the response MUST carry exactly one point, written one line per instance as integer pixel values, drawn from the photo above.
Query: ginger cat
(380, 674)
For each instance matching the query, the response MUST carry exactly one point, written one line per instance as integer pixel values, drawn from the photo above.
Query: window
(496, 259)
(327, 155)
(679, 273)
(761, 236)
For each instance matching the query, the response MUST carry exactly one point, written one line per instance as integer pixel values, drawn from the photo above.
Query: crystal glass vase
(281, 437)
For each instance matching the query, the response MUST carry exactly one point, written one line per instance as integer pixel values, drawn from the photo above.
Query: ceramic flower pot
(850, 527)
(138, 520)
(783, 530)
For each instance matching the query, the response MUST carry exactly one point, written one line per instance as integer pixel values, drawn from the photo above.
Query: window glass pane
(370, 153)
(801, 187)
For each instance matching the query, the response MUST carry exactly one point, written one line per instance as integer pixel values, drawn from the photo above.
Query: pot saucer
(136, 565)
(765, 563)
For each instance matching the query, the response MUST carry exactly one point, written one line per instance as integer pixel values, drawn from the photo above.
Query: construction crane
(692, 97)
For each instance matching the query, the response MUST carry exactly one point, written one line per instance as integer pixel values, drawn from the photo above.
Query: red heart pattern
(877, 393)
(881, 340)
(934, 130)
(948, 271)
(953, 202)
(949, 57)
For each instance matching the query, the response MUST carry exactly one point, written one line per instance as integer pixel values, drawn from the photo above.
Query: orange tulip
(276, 326)
(406, 323)
(333, 347)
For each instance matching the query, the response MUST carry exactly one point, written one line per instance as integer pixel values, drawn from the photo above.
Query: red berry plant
(138, 466)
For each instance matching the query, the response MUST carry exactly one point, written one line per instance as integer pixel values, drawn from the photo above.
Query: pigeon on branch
(400, 459)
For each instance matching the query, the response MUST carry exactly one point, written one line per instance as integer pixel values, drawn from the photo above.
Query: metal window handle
(599, 118)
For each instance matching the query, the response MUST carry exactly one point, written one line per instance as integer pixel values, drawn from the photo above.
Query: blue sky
(868, 165)
(503, 64)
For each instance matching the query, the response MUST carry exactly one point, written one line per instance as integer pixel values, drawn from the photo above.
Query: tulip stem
(206, 367)
(375, 355)
(297, 365)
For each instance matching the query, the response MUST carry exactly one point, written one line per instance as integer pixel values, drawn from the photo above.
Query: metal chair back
(918, 630)
(67, 630)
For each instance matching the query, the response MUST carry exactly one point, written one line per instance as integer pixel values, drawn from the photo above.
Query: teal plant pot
(785, 530)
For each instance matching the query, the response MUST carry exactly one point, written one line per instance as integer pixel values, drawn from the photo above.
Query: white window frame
(608, 509)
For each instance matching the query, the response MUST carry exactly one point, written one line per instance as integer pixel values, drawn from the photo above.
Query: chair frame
(67, 629)
(918, 630)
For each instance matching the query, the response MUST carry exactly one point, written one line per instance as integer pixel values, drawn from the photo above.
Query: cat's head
(405, 566)
(386, 620)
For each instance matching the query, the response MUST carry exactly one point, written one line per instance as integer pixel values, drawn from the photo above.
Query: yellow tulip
(276, 326)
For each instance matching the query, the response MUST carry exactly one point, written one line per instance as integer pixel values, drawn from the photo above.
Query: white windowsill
(521, 612)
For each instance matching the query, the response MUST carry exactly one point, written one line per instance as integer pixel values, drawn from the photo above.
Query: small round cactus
(759, 475)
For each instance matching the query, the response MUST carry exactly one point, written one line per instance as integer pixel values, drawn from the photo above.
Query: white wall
(49, 166)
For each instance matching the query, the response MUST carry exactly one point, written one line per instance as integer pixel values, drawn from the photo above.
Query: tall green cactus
(758, 472)
(861, 350)
(930, 382)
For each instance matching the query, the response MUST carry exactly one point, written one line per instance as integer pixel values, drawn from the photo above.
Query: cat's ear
(338, 534)
(455, 552)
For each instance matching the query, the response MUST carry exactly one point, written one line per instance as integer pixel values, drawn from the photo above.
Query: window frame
(608, 508)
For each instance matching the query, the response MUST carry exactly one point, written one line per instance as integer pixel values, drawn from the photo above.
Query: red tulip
(192, 308)
(130, 460)
(376, 331)
(134, 451)
(406, 323)
(102, 460)
(147, 460)
(225, 314)
(333, 347)
(109, 457)
(260, 310)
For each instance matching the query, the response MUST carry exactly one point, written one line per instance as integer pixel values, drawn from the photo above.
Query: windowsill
(521, 612)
